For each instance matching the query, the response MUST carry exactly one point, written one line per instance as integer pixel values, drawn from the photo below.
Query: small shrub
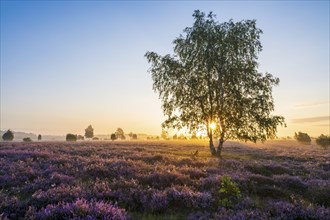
(8, 136)
(113, 137)
(302, 137)
(95, 138)
(323, 140)
(229, 192)
(71, 137)
(39, 137)
(27, 139)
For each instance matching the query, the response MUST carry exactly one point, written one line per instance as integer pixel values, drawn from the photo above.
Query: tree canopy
(89, 132)
(120, 134)
(8, 136)
(212, 78)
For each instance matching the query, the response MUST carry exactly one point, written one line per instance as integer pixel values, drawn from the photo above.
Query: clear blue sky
(65, 65)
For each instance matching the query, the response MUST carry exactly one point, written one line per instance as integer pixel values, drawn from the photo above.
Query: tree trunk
(219, 149)
(212, 148)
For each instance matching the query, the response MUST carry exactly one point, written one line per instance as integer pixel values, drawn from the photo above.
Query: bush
(8, 136)
(27, 139)
(229, 192)
(323, 140)
(302, 137)
(95, 138)
(113, 137)
(39, 137)
(71, 137)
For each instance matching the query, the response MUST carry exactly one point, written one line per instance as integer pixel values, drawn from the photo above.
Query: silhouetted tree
(39, 137)
(175, 137)
(120, 134)
(323, 140)
(134, 136)
(8, 136)
(302, 137)
(71, 137)
(213, 78)
(113, 137)
(89, 132)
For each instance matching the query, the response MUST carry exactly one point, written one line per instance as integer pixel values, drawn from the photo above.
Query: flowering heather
(163, 180)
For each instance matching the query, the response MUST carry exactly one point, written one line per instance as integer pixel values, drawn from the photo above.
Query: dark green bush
(302, 137)
(71, 137)
(27, 139)
(113, 137)
(8, 136)
(323, 140)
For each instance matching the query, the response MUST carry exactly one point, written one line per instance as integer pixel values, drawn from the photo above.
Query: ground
(163, 180)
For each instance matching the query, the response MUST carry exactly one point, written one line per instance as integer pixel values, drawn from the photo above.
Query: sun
(212, 125)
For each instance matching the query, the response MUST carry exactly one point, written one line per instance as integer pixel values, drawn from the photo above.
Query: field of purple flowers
(163, 180)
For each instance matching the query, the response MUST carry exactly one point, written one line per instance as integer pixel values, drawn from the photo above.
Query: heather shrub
(323, 140)
(302, 138)
(81, 209)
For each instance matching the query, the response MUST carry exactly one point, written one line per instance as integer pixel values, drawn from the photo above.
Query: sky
(68, 64)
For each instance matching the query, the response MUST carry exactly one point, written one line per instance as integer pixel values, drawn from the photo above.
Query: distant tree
(80, 137)
(302, 137)
(194, 136)
(323, 140)
(164, 135)
(113, 137)
(27, 139)
(89, 132)
(120, 134)
(39, 137)
(212, 82)
(8, 136)
(134, 136)
(175, 137)
(71, 137)
(130, 135)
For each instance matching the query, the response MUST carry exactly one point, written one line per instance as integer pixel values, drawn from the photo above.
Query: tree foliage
(39, 137)
(8, 136)
(302, 137)
(89, 132)
(323, 140)
(113, 137)
(71, 137)
(212, 78)
(120, 134)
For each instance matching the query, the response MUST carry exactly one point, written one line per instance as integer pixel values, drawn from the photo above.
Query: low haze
(65, 65)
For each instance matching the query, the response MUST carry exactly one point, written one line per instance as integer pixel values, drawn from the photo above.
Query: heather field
(163, 180)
